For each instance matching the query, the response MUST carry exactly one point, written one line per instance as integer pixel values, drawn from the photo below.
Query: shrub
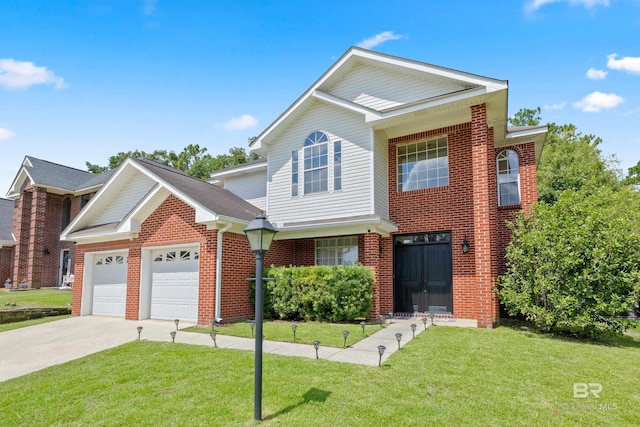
(326, 293)
(575, 266)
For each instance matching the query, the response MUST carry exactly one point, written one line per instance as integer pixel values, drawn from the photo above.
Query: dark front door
(423, 273)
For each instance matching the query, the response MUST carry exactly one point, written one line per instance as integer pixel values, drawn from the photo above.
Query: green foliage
(193, 160)
(318, 293)
(526, 117)
(575, 265)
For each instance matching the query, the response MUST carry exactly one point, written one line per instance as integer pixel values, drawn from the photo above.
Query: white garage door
(109, 284)
(174, 287)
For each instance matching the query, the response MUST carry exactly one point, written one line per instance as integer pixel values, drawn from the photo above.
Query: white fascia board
(526, 132)
(426, 104)
(343, 103)
(238, 170)
(88, 238)
(362, 226)
(14, 190)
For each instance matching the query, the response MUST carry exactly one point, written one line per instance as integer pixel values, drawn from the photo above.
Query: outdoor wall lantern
(316, 345)
(46, 251)
(413, 329)
(362, 325)
(139, 328)
(176, 322)
(381, 350)
(173, 336)
(345, 334)
(213, 337)
(398, 338)
(294, 327)
(260, 234)
(252, 325)
(465, 245)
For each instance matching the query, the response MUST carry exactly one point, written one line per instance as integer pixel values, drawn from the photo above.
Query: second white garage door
(174, 287)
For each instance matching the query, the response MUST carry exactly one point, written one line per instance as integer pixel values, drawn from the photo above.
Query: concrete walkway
(30, 349)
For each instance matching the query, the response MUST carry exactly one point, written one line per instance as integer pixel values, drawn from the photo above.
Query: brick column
(21, 221)
(371, 243)
(132, 310)
(36, 237)
(484, 216)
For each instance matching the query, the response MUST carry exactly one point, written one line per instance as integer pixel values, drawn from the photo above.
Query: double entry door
(423, 273)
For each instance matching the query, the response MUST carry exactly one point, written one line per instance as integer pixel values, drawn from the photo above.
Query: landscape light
(176, 322)
(173, 336)
(252, 324)
(316, 345)
(294, 327)
(381, 350)
(345, 334)
(213, 337)
(413, 329)
(362, 325)
(398, 338)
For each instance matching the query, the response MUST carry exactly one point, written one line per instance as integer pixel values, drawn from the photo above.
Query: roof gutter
(221, 231)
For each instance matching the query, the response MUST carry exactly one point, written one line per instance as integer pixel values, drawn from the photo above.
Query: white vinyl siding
(381, 174)
(355, 196)
(137, 186)
(380, 88)
(252, 187)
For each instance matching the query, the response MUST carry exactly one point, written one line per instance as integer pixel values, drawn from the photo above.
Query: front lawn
(446, 376)
(34, 298)
(329, 334)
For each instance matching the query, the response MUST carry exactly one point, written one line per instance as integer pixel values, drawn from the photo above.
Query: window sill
(510, 208)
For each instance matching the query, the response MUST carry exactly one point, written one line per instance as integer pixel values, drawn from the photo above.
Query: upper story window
(337, 165)
(423, 164)
(66, 212)
(316, 163)
(508, 166)
(84, 199)
(340, 251)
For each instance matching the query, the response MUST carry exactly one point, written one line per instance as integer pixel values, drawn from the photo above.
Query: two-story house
(402, 166)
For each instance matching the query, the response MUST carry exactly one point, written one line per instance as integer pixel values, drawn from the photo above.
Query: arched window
(316, 160)
(66, 212)
(508, 178)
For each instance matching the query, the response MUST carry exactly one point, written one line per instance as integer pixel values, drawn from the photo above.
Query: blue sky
(83, 80)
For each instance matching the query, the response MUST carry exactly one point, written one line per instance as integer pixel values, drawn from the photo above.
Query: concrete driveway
(30, 349)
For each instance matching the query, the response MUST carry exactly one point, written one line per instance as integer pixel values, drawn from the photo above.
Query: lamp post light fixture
(431, 315)
(176, 322)
(252, 324)
(294, 327)
(260, 234)
(398, 338)
(139, 328)
(413, 329)
(424, 322)
(173, 336)
(345, 334)
(381, 350)
(213, 337)
(362, 325)
(316, 345)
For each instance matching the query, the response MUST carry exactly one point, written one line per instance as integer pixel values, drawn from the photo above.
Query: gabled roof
(55, 178)
(155, 182)
(450, 87)
(6, 223)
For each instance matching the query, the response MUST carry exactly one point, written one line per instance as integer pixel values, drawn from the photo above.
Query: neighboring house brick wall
(6, 261)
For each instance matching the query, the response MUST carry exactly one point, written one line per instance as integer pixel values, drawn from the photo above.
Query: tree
(193, 160)
(575, 265)
(570, 159)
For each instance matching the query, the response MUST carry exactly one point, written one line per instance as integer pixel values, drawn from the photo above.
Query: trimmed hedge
(321, 293)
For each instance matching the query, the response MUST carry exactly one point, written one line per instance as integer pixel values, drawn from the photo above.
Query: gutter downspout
(221, 231)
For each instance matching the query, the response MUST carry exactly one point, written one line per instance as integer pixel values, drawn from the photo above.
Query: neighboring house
(44, 197)
(402, 166)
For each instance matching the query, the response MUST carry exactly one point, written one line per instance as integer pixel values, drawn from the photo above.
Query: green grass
(329, 334)
(25, 323)
(446, 376)
(34, 298)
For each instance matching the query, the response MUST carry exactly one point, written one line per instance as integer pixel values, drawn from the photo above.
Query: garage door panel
(174, 289)
(109, 284)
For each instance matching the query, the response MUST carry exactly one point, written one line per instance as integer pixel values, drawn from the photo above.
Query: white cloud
(594, 74)
(630, 64)
(598, 101)
(558, 106)
(23, 74)
(6, 134)
(245, 121)
(632, 112)
(533, 5)
(149, 7)
(379, 38)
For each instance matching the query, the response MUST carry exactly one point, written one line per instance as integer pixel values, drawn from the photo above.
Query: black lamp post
(260, 234)
(413, 329)
(316, 345)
